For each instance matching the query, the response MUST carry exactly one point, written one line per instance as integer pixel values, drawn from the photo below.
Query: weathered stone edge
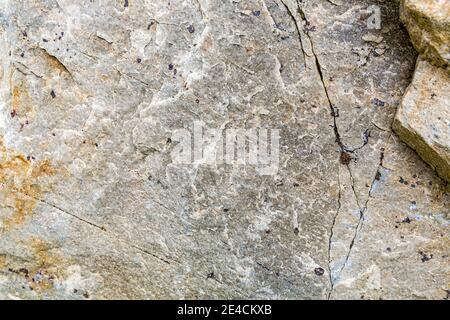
(428, 52)
(417, 143)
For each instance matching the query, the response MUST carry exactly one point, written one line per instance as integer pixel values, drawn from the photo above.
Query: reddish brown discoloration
(20, 179)
(41, 272)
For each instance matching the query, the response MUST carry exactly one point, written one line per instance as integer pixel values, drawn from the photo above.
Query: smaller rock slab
(428, 24)
(423, 118)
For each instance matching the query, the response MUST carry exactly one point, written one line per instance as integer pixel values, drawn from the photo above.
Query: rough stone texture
(423, 117)
(93, 207)
(428, 23)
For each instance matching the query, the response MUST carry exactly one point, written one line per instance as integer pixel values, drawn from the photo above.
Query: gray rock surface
(93, 207)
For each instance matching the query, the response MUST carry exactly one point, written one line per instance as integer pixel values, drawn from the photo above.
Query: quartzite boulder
(428, 24)
(423, 117)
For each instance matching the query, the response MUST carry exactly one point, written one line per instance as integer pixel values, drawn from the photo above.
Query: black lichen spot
(197, 100)
(406, 220)
(191, 29)
(13, 113)
(377, 102)
(22, 54)
(345, 158)
(170, 66)
(138, 60)
(226, 210)
(296, 230)
(256, 13)
(45, 40)
(53, 94)
(425, 257)
(210, 275)
(319, 271)
(125, 4)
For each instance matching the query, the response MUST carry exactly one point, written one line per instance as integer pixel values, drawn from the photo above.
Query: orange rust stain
(20, 184)
(21, 102)
(54, 63)
(15, 98)
(43, 270)
(46, 264)
(41, 249)
(2, 262)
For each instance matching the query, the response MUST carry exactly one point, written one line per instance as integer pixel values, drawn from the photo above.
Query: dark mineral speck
(319, 271)
(378, 102)
(425, 257)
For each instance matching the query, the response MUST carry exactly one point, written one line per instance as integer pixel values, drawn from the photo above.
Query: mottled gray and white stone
(93, 207)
